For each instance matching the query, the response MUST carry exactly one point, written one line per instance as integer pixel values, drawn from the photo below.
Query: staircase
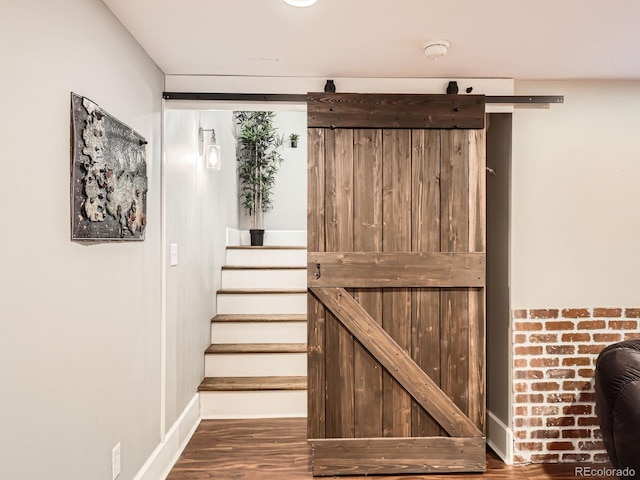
(256, 365)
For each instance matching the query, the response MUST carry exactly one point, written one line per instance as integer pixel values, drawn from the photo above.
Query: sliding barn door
(396, 276)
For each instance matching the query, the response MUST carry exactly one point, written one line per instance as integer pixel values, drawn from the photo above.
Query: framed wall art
(108, 176)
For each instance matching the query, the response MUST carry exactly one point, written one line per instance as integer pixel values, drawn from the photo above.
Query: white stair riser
(259, 332)
(285, 303)
(273, 278)
(253, 404)
(277, 237)
(255, 364)
(267, 257)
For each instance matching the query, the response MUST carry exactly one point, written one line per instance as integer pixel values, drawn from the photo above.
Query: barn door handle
(318, 274)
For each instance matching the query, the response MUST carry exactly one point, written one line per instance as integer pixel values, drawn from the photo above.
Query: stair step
(259, 277)
(271, 238)
(260, 301)
(253, 404)
(257, 318)
(258, 332)
(270, 364)
(256, 348)
(226, 384)
(260, 291)
(266, 256)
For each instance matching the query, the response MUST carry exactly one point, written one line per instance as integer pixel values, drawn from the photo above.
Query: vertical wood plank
(477, 190)
(315, 311)
(339, 238)
(425, 331)
(455, 238)
(477, 302)
(367, 237)
(315, 190)
(396, 321)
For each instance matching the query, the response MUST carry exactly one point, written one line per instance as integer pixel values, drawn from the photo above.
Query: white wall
(200, 204)
(290, 191)
(575, 220)
(79, 325)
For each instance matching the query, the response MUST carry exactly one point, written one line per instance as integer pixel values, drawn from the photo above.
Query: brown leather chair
(618, 404)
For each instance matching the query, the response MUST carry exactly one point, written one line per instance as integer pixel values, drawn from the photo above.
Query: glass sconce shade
(213, 157)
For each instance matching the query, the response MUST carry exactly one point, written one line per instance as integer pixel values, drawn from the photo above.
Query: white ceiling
(521, 39)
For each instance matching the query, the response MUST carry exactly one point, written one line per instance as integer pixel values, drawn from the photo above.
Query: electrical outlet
(115, 462)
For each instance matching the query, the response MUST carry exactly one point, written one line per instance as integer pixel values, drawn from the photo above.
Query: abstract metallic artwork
(108, 176)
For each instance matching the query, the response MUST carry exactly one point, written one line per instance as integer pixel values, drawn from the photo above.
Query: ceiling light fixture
(436, 49)
(301, 3)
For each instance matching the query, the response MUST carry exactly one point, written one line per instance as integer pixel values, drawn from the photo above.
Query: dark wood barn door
(396, 276)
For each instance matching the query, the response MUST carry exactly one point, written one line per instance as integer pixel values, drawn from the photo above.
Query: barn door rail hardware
(532, 99)
(302, 98)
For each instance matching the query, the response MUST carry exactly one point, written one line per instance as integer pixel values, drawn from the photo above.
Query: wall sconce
(212, 154)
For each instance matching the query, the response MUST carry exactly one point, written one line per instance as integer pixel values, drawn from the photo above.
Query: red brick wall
(555, 352)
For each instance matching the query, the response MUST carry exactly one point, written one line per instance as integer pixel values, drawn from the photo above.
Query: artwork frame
(109, 180)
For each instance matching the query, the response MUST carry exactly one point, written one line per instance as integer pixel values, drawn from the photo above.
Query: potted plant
(258, 158)
(294, 140)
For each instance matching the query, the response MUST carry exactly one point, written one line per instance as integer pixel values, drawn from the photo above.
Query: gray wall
(498, 224)
(200, 204)
(80, 324)
(575, 217)
(290, 192)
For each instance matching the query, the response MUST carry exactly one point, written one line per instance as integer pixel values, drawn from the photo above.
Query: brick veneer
(555, 352)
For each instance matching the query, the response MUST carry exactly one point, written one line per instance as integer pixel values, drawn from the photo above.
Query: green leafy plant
(258, 158)
(294, 137)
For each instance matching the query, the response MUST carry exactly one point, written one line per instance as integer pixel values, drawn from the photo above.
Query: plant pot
(294, 144)
(257, 237)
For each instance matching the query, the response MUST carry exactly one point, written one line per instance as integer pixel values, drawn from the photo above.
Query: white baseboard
(164, 457)
(500, 438)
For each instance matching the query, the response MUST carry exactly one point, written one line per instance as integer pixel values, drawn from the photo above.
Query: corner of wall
(500, 438)
(159, 464)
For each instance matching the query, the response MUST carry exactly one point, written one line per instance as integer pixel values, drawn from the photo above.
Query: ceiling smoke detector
(301, 3)
(436, 49)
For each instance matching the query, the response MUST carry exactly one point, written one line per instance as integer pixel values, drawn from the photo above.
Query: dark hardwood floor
(277, 450)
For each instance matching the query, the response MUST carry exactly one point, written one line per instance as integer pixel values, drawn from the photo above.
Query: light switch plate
(174, 255)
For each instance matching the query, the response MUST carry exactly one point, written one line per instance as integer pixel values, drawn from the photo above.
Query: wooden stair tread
(257, 348)
(264, 267)
(260, 291)
(225, 384)
(257, 318)
(267, 247)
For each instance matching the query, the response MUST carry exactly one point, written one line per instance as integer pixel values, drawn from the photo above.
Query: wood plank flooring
(276, 449)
